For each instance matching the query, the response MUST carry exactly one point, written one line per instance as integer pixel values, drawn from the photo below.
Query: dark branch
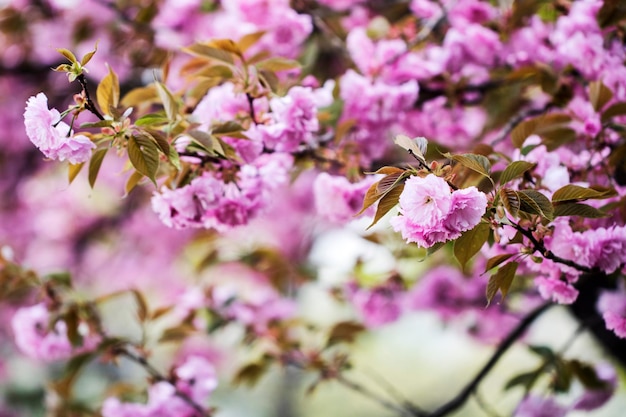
(460, 399)
(158, 377)
(541, 248)
(90, 104)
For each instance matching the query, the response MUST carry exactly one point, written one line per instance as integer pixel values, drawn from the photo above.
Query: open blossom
(431, 212)
(211, 203)
(35, 338)
(53, 137)
(612, 306)
(556, 290)
(603, 248)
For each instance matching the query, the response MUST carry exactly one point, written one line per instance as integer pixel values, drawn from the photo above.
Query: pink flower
(600, 248)
(612, 306)
(378, 305)
(468, 206)
(337, 199)
(197, 378)
(35, 338)
(556, 290)
(297, 112)
(431, 213)
(52, 136)
(592, 399)
(533, 406)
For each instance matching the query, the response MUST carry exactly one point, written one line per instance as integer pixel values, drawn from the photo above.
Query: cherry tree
(171, 167)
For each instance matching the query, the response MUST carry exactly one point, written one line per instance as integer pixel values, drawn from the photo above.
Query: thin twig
(393, 392)
(519, 118)
(460, 399)
(157, 376)
(90, 105)
(409, 411)
(251, 105)
(540, 247)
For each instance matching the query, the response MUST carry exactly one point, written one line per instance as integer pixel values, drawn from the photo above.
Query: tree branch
(462, 396)
(157, 376)
(541, 248)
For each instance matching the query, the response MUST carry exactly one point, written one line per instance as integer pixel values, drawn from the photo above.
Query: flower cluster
(195, 379)
(209, 201)
(53, 137)
(337, 199)
(39, 338)
(431, 212)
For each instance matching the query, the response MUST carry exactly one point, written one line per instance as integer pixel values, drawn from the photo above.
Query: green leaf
(573, 192)
(142, 305)
(216, 71)
(551, 127)
(139, 96)
(515, 170)
(108, 92)
(229, 128)
(599, 95)
(511, 200)
(269, 80)
(522, 131)
(174, 158)
(497, 260)
(387, 202)
(526, 380)
(152, 119)
(63, 386)
(170, 105)
(587, 375)
(143, 154)
(98, 124)
(160, 140)
(616, 109)
(345, 331)
(250, 39)
(534, 202)
(379, 188)
(73, 171)
(204, 140)
(177, 333)
(276, 64)
(206, 51)
(132, 181)
(68, 54)
(63, 279)
(475, 162)
(501, 281)
(578, 209)
(470, 242)
(555, 137)
(226, 45)
(87, 57)
(251, 373)
(94, 165)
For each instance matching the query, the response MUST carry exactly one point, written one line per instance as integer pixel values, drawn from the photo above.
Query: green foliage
(501, 281)
(470, 242)
(143, 154)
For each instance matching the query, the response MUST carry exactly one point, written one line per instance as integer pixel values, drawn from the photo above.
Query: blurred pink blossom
(35, 338)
